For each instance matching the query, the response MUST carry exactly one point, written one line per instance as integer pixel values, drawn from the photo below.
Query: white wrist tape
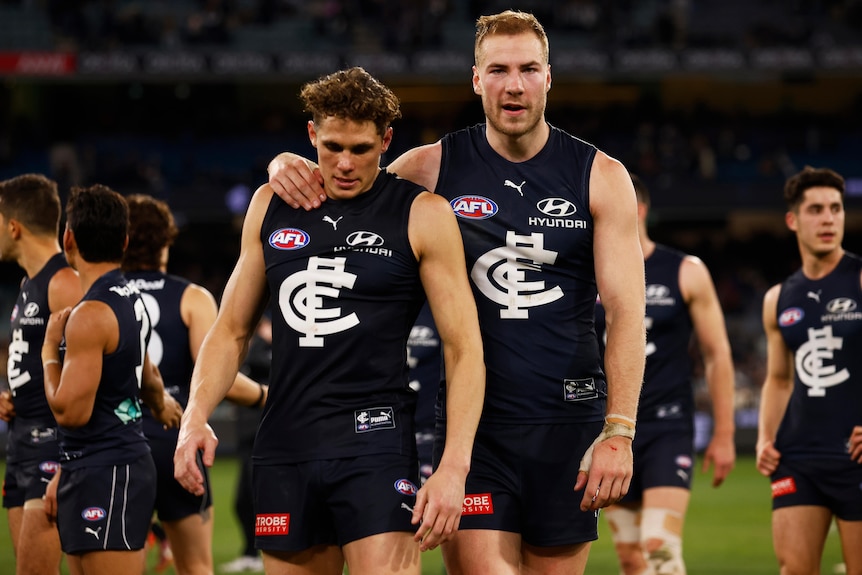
(609, 430)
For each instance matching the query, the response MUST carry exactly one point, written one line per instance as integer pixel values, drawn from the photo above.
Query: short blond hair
(509, 23)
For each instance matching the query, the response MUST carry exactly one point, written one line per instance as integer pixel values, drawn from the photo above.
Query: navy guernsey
(821, 323)
(528, 239)
(28, 323)
(345, 292)
(114, 433)
(169, 343)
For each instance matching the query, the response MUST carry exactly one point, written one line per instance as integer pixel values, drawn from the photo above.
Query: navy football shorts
(830, 483)
(32, 461)
(333, 501)
(173, 501)
(663, 457)
(522, 480)
(106, 507)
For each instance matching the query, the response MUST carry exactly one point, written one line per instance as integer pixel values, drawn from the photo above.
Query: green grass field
(727, 531)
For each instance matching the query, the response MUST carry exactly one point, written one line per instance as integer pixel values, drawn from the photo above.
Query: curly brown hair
(509, 23)
(151, 229)
(352, 94)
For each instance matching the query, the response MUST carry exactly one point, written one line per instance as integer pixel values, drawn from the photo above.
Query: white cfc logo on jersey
(18, 348)
(501, 275)
(301, 300)
(810, 362)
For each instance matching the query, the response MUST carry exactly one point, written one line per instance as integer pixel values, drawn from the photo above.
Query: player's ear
(312, 133)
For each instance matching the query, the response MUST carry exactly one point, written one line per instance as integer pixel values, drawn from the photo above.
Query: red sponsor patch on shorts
(478, 504)
(272, 524)
(783, 486)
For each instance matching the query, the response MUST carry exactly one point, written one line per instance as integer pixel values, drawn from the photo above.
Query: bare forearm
(773, 403)
(624, 364)
(215, 372)
(465, 392)
(720, 381)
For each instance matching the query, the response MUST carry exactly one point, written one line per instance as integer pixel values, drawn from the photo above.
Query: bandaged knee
(665, 526)
(625, 524)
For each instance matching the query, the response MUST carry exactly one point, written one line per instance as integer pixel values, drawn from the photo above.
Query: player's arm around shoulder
(91, 331)
(437, 243)
(420, 165)
(704, 308)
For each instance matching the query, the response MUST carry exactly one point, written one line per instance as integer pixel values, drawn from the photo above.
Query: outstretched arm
(620, 277)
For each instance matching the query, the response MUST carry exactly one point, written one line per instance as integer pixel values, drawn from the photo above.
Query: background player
(809, 438)
(29, 231)
(181, 313)
(647, 524)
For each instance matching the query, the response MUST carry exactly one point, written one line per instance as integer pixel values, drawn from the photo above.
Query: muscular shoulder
(694, 277)
(610, 185)
(92, 324)
(420, 165)
(196, 300)
(64, 289)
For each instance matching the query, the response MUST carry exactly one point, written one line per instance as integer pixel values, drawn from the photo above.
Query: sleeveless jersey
(114, 434)
(528, 238)
(425, 361)
(345, 292)
(667, 393)
(28, 323)
(169, 342)
(821, 323)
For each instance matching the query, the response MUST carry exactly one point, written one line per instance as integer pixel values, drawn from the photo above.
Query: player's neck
(35, 253)
(90, 272)
(647, 245)
(519, 148)
(817, 266)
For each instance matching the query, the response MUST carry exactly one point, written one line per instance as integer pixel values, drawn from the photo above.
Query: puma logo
(814, 296)
(93, 533)
(512, 184)
(333, 222)
(407, 507)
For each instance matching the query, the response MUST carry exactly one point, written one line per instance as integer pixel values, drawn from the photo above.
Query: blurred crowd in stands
(205, 150)
(419, 24)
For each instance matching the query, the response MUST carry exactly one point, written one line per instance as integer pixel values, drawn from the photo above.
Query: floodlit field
(727, 531)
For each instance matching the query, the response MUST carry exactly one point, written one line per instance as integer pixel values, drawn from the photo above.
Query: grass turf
(727, 530)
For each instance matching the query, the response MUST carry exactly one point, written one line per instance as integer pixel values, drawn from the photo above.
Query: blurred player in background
(681, 300)
(181, 313)
(425, 361)
(29, 231)
(96, 371)
(809, 439)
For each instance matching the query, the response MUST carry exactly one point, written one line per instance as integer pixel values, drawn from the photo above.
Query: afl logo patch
(790, 316)
(289, 239)
(405, 486)
(49, 467)
(473, 207)
(93, 513)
